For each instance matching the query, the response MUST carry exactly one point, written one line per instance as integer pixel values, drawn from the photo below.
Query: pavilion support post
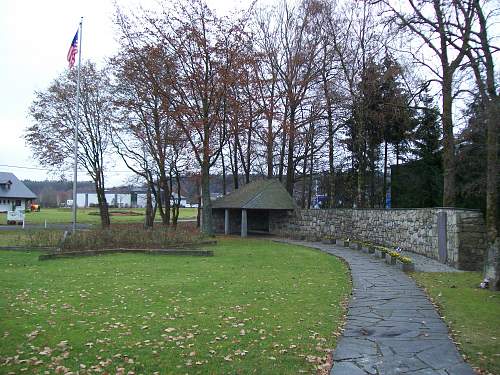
(226, 222)
(244, 230)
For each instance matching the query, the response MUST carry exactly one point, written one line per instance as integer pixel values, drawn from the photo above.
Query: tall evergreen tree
(428, 134)
(427, 148)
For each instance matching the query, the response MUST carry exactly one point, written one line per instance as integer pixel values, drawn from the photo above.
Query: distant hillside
(38, 186)
(52, 193)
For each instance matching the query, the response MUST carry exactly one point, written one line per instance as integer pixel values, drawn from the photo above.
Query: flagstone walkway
(391, 327)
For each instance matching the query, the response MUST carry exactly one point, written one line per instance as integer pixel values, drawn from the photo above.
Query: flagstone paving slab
(391, 326)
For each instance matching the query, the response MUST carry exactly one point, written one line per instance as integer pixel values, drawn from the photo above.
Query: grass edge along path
(472, 315)
(255, 307)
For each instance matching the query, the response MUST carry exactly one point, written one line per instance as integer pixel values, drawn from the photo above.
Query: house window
(18, 202)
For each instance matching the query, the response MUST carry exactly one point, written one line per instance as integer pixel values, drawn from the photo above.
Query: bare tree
(433, 22)
(297, 65)
(54, 114)
(480, 53)
(193, 36)
(353, 39)
(267, 91)
(144, 116)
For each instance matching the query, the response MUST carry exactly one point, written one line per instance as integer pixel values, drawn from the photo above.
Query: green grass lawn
(472, 314)
(255, 307)
(86, 216)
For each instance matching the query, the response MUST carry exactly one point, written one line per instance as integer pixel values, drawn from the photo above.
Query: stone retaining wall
(413, 230)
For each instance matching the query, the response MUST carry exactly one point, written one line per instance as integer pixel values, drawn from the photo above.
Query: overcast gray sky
(34, 40)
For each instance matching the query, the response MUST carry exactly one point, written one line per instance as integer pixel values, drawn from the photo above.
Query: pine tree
(428, 134)
(427, 148)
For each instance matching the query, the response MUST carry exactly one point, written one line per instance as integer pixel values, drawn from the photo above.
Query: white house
(14, 195)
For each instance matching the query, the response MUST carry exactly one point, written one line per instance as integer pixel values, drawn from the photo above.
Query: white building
(133, 199)
(117, 200)
(141, 200)
(14, 195)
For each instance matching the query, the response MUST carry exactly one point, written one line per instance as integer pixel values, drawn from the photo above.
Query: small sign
(17, 216)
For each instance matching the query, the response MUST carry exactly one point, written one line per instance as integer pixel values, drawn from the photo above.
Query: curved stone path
(391, 327)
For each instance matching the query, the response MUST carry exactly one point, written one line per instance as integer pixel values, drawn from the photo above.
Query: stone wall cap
(392, 209)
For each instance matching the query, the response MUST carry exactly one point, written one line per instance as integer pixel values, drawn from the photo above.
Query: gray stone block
(346, 368)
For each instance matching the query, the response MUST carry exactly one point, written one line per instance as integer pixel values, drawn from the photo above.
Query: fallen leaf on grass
(46, 351)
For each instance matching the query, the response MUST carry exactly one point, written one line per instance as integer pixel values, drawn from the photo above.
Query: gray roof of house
(17, 188)
(261, 194)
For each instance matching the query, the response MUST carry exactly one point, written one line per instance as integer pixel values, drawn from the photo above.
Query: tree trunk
(248, 155)
(290, 168)
(103, 208)
(165, 194)
(360, 196)
(198, 213)
(269, 147)
(491, 102)
(162, 196)
(101, 199)
(283, 146)
(235, 169)
(372, 180)
(492, 268)
(304, 180)
(311, 173)
(206, 222)
(157, 192)
(173, 207)
(448, 144)
(149, 219)
(175, 216)
(331, 168)
(384, 193)
(224, 187)
(329, 116)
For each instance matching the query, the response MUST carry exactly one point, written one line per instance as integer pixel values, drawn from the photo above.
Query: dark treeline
(295, 91)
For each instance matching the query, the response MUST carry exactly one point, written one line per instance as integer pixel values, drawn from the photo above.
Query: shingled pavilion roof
(258, 195)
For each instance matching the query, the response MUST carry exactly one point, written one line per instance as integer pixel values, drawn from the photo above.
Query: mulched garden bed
(28, 248)
(118, 213)
(175, 251)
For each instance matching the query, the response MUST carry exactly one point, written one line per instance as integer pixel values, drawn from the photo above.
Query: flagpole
(76, 125)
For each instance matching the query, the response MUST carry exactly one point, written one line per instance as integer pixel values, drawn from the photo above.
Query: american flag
(73, 50)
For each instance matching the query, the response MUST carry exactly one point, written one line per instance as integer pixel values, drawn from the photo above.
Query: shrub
(405, 260)
(382, 249)
(36, 238)
(394, 254)
(133, 236)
